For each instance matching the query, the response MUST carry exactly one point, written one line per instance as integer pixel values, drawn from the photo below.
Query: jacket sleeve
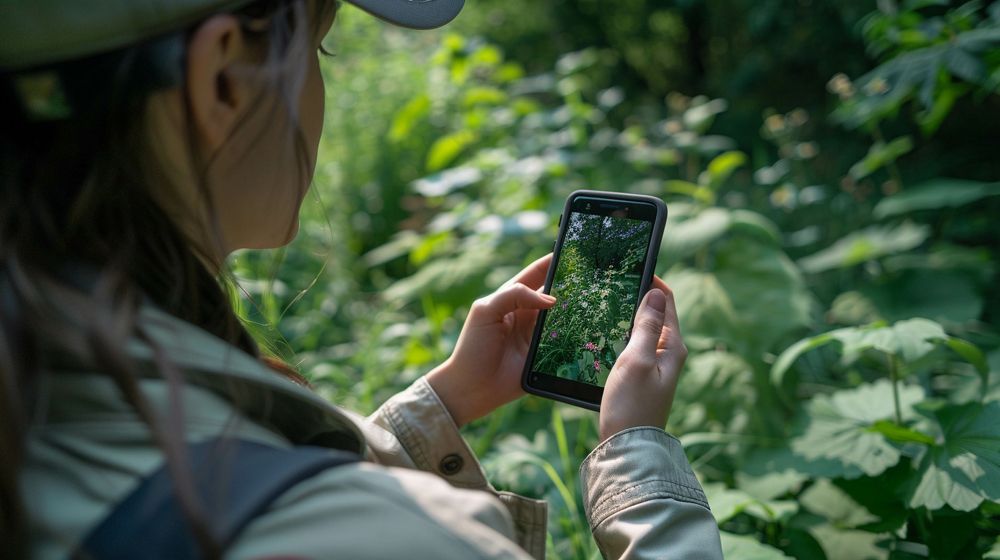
(643, 501)
(414, 430)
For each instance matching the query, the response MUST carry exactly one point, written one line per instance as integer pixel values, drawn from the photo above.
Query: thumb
(648, 327)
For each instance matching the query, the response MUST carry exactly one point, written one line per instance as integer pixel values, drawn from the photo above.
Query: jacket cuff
(530, 519)
(634, 466)
(431, 438)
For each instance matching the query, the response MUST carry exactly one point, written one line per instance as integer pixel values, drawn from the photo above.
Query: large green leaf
(881, 154)
(717, 387)
(768, 292)
(722, 167)
(691, 229)
(964, 468)
(935, 194)
(742, 547)
(918, 73)
(865, 245)
(994, 552)
(907, 340)
(849, 544)
(705, 307)
(941, 295)
(729, 502)
(825, 499)
(838, 427)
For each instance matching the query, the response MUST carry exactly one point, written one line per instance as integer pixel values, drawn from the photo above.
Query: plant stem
(894, 375)
(891, 167)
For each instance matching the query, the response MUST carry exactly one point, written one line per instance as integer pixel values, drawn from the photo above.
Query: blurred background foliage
(831, 173)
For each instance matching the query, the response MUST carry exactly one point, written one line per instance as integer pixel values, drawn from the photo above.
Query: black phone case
(647, 277)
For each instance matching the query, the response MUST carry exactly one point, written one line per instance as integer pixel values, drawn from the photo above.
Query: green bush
(839, 296)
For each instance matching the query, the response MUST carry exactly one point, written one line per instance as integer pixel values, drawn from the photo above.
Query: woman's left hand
(484, 371)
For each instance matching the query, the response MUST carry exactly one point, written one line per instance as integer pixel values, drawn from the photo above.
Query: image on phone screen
(596, 285)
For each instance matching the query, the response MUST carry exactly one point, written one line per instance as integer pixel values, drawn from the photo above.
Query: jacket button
(451, 464)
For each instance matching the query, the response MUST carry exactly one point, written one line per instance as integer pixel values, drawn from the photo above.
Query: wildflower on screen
(590, 346)
(597, 365)
(564, 305)
(554, 334)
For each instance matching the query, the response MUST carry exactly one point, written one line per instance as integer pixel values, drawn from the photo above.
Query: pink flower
(590, 346)
(597, 365)
(554, 334)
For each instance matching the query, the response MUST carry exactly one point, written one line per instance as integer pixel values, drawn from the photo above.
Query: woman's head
(138, 148)
(237, 139)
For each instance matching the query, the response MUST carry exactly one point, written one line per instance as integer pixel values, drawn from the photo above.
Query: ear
(216, 92)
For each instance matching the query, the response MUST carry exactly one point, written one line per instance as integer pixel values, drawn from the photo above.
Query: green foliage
(837, 288)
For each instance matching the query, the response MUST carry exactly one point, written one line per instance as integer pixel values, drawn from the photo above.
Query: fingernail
(548, 298)
(656, 300)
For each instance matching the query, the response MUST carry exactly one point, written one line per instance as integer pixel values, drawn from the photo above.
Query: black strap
(236, 480)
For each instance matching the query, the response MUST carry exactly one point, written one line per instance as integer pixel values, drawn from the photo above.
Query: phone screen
(596, 284)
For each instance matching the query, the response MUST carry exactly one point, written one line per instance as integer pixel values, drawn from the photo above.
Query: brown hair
(84, 243)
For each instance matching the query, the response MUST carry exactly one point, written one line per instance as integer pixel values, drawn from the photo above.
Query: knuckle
(635, 361)
(650, 324)
(479, 305)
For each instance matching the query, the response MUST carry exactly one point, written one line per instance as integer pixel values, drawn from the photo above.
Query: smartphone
(602, 265)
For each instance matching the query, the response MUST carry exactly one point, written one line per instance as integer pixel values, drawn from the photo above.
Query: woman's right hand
(640, 388)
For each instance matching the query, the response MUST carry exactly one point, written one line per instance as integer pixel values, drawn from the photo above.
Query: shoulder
(369, 511)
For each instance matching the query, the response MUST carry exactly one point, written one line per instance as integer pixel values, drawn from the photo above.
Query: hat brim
(415, 14)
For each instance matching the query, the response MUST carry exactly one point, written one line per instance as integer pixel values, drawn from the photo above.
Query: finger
(659, 284)
(534, 274)
(671, 341)
(514, 297)
(646, 331)
(670, 320)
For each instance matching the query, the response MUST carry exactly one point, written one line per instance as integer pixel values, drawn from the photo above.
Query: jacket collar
(260, 394)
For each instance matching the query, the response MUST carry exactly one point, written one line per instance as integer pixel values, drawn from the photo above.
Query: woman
(143, 142)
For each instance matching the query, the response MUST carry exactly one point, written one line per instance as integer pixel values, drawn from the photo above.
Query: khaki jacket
(420, 494)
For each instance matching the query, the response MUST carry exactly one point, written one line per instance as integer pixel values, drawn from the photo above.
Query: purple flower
(564, 305)
(554, 334)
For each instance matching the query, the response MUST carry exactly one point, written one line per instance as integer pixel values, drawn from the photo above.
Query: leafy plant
(837, 291)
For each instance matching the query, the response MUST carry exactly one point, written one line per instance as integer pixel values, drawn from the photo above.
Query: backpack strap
(236, 480)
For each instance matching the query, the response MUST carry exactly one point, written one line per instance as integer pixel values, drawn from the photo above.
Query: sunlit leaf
(723, 166)
(700, 116)
(792, 353)
(881, 154)
(829, 501)
(964, 469)
(849, 544)
(935, 194)
(407, 118)
(442, 183)
(767, 290)
(941, 295)
(444, 150)
(689, 232)
(742, 547)
(865, 245)
(837, 427)
(901, 434)
(727, 503)
(994, 552)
